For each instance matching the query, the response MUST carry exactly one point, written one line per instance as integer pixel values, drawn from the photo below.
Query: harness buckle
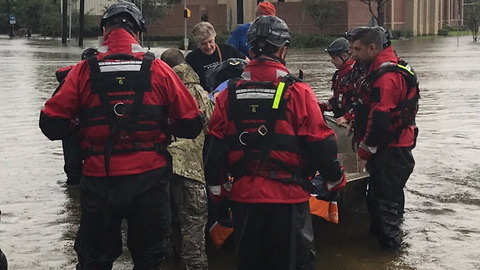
(240, 137)
(119, 108)
(136, 145)
(262, 130)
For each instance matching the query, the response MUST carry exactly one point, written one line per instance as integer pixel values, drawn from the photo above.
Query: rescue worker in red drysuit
(390, 92)
(357, 76)
(268, 133)
(341, 101)
(72, 153)
(128, 104)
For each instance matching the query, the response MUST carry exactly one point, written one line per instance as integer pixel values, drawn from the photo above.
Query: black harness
(336, 102)
(255, 108)
(406, 110)
(121, 86)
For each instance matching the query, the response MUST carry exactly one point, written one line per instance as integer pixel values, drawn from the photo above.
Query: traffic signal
(187, 13)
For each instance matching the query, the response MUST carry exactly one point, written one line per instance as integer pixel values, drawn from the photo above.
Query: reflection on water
(40, 215)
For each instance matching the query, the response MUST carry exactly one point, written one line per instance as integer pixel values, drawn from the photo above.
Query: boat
(353, 216)
(352, 198)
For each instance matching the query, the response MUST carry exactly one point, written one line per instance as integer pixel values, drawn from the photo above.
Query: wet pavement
(40, 214)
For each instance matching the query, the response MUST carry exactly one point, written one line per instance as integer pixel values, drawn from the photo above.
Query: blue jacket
(238, 39)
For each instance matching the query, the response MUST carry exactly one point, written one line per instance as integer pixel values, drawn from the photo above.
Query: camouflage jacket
(187, 153)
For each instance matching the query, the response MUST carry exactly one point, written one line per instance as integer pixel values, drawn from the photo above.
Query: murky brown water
(39, 214)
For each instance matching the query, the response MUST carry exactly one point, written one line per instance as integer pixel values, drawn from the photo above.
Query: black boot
(391, 235)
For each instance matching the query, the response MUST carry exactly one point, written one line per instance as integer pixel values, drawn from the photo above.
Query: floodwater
(40, 214)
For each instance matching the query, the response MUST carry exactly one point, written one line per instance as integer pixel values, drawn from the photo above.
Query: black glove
(221, 213)
(322, 193)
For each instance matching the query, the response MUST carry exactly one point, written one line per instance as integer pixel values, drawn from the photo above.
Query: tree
(321, 10)
(4, 22)
(49, 20)
(90, 24)
(472, 17)
(154, 9)
(38, 15)
(34, 13)
(380, 10)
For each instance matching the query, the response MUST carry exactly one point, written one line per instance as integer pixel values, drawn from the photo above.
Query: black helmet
(338, 46)
(351, 34)
(386, 35)
(126, 8)
(270, 29)
(228, 69)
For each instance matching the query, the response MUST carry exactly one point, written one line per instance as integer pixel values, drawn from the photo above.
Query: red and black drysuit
(390, 94)
(268, 132)
(341, 101)
(72, 153)
(128, 104)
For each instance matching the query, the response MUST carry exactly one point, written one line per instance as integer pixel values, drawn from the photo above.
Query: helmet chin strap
(275, 58)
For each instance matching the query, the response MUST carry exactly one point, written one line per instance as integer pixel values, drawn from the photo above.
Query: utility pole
(69, 20)
(186, 15)
(11, 26)
(81, 22)
(64, 21)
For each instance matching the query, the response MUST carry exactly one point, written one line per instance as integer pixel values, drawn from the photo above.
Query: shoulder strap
(219, 53)
(141, 84)
(334, 76)
(405, 70)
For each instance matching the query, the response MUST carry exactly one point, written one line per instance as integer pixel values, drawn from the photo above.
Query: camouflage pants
(190, 206)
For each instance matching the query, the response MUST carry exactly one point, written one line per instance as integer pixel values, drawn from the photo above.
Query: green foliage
(443, 32)
(4, 23)
(402, 33)
(222, 37)
(454, 27)
(38, 15)
(310, 41)
(166, 41)
(472, 17)
(43, 16)
(91, 26)
(50, 21)
(321, 11)
(154, 9)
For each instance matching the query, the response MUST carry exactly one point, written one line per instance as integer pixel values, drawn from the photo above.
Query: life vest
(120, 86)
(360, 110)
(343, 94)
(403, 115)
(255, 108)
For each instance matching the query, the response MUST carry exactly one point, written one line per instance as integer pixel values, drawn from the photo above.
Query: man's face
(337, 60)
(207, 46)
(362, 53)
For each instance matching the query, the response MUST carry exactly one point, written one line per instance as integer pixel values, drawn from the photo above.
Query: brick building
(418, 17)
